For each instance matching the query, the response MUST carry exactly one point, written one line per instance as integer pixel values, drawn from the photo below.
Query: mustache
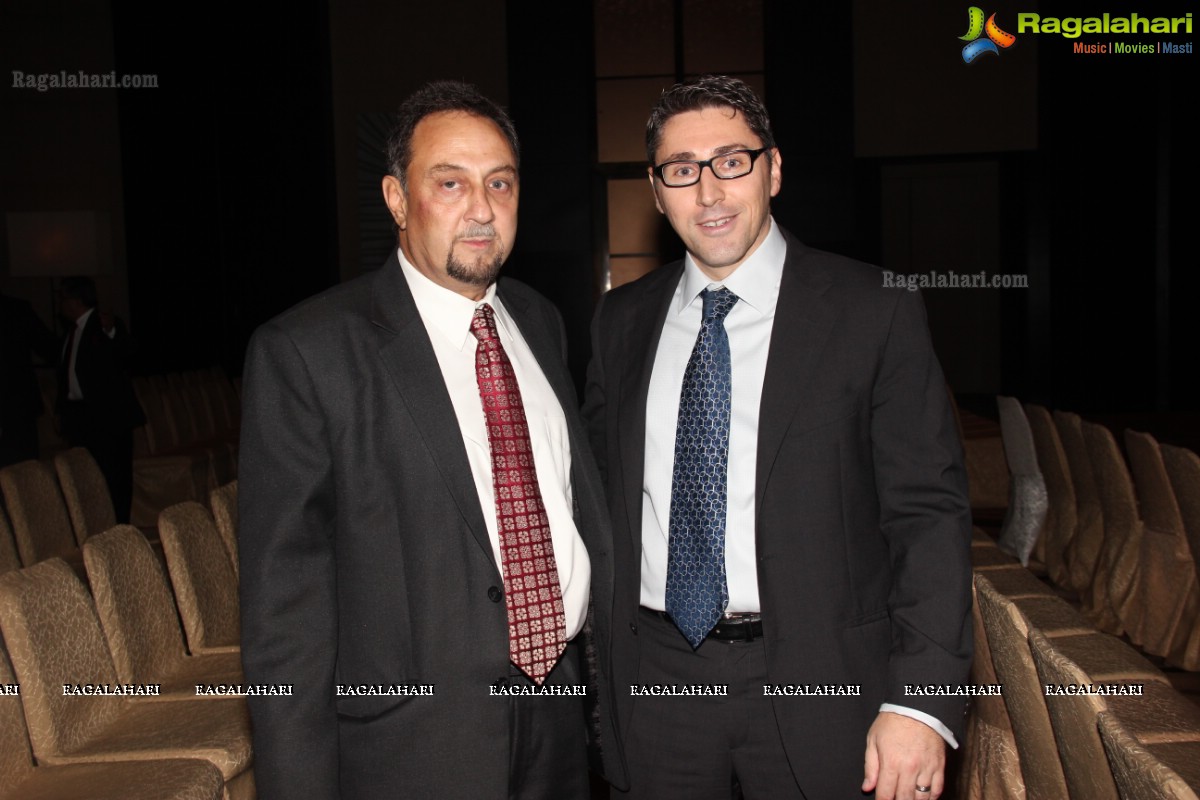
(477, 232)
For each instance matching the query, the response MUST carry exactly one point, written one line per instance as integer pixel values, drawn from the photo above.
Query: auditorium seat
(138, 616)
(54, 638)
(1027, 503)
(1183, 468)
(85, 492)
(1116, 581)
(202, 575)
(173, 779)
(40, 521)
(1169, 592)
(1083, 552)
(223, 502)
(1059, 529)
(990, 765)
(1006, 632)
(1100, 660)
(165, 473)
(9, 559)
(1162, 771)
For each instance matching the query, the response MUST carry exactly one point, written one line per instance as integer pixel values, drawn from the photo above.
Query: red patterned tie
(537, 630)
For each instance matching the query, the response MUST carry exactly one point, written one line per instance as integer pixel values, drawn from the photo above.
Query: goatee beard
(481, 273)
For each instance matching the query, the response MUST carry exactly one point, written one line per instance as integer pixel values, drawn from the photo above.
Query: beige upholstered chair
(1006, 631)
(205, 586)
(1167, 771)
(1183, 468)
(1073, 717)
(41, 524)
(1059, 529)
(1098, 659)
(1118, 607)
(168, 473)
(991, 768)
(1016, 581)
(223, 501)
(54, 638)
(198, 411)
(1027, 501)
(85, 492)
(1169, 592)
(176, 779)
(986, 556)
(8, 546)
(183, 419)
(1083, 553)
(139, 620)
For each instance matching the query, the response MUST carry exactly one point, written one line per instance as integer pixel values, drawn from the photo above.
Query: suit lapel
(803, 320)
(640, 346)
(408, 356)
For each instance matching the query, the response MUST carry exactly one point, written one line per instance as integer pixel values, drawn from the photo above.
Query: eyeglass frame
(657, 171)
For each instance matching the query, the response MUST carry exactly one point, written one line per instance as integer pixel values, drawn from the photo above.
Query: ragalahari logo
(976, 27)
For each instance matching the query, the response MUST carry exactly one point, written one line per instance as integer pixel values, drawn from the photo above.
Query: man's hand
(903, 753)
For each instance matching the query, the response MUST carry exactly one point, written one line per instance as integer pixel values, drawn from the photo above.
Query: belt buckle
(738, 626)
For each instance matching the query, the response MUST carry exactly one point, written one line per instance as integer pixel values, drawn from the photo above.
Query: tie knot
(483, 324)
(717, 303)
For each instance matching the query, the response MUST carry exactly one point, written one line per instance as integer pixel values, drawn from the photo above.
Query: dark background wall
(235, 189)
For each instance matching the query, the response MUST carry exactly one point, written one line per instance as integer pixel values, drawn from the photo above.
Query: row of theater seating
(188, 445)
(54, 510)
(126, 631)
(1124, 536)
(1038, 740)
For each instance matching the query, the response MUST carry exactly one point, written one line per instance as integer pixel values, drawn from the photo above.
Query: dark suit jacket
(863, 524)
(365, 558)
(102, 368)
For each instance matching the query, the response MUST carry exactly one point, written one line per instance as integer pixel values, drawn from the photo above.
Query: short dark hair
(81, 288)
(708, 91)
(434, 98)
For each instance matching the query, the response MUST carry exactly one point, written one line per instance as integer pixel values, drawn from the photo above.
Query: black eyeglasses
(726, 166)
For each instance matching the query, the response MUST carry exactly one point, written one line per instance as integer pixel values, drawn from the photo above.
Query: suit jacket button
(494, 594)
(500, 683)
(633, 627)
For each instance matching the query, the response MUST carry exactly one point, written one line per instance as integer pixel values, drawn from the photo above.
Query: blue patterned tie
(696, 589)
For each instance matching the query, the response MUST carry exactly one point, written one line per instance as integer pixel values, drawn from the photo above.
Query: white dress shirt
(74, 392)
(749, 325)
(447, 316)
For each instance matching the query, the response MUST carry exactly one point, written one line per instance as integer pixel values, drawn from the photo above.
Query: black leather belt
(743, 627)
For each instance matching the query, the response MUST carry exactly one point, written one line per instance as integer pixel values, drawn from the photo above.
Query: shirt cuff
(921, 716)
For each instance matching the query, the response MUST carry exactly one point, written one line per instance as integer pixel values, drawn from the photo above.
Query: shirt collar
(84, 317)
(444, 310)
(755, 281)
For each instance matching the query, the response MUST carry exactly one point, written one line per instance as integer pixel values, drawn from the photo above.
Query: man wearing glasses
(790, 509)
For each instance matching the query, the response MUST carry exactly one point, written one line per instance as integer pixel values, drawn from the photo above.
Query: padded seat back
(135, 606)
(85, 492)
(41, 524)
(54, 639)
(205, 585)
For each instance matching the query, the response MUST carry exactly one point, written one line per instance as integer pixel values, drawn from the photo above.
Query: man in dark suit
(96, 405)
(421, 522)
(21, 332)
(790, 516)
